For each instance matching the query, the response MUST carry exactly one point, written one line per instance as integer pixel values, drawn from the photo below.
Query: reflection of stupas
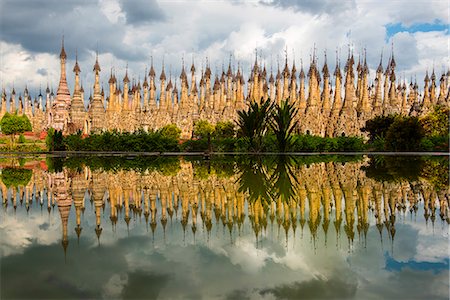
(326, 195)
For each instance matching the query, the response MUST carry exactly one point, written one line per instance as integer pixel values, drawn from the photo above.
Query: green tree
(203, 129)
(54, 140)
(404, 134)
(253, 123)
(378, 127)
(170, 131)
(436, 123)
(224, 130)
(283, 124)
(12, 124)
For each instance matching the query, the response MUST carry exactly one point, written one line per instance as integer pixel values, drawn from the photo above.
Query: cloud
(313, 6)
(129, 32)
(141, 12)
(314, 289)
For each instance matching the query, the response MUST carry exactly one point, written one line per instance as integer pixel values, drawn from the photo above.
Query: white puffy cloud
(130, 32)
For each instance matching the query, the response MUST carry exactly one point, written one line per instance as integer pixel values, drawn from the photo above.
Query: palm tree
(253, 123)
(283, 122)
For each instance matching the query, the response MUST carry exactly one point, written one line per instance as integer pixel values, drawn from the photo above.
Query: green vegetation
(12, 124)
(253, 124)
(164, 140)
(283, 122)
(266, 127)
(404, 133)
(165, 165)
(15, 177)
(207, 137)
(434, 169)
(170, 131)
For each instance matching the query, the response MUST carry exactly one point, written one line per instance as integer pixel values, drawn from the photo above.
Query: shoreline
(122, 154)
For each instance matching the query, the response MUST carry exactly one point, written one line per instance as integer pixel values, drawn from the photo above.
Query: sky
(129, 33)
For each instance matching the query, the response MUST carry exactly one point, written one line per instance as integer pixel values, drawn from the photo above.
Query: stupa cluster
(325, 109)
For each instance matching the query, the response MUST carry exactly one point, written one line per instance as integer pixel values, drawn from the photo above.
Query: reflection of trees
(15, 177)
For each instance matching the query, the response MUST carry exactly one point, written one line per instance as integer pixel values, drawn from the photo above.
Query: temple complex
(330, 103)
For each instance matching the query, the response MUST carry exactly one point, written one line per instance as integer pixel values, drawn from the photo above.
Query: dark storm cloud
(39, 25)
(139, 12)
(314, 6)
(314, 289)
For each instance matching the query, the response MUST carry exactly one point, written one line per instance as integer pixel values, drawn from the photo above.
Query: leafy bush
(436, 123)
(404, 134)
(170, 131)
(203, 129)
(224, 130)
(200, 145)
(138, 141)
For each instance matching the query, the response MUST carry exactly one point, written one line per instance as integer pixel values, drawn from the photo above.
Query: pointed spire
(152, 70)
(111, 77)
(163, 74)
(62, 55)
(380, 66)
(192, 66)
(337, 71)
(302, 72)
(97, 65)
(392, 64)
(229, 72)
(325, 71)
(76, 68)
(126, 79)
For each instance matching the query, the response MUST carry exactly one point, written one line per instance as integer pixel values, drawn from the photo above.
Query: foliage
(378, 126)
(22, 139)
(311, 143)
(435, 143)
(14, 177)
(253, 123)
(195, 145)
(436, 171)
(283, 123)
(224, 130)
(55, 140)
(224, 144)
(139, 141)
(404, 134)
(12, 124)
(203, 129)
(436, 123)
(394, 168)
(165, 165)
(170, 131)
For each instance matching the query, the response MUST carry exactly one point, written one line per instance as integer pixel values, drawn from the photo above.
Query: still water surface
(226, 228)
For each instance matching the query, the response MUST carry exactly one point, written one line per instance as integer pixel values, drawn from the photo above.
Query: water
(226, 228)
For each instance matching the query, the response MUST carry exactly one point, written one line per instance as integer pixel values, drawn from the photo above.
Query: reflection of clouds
(114, 286)
(245, 254)
(217, 268)
(14, 236)
(18, 233)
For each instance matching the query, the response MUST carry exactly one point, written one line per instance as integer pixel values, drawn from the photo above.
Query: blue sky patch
(435, 267)
(394, 28)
